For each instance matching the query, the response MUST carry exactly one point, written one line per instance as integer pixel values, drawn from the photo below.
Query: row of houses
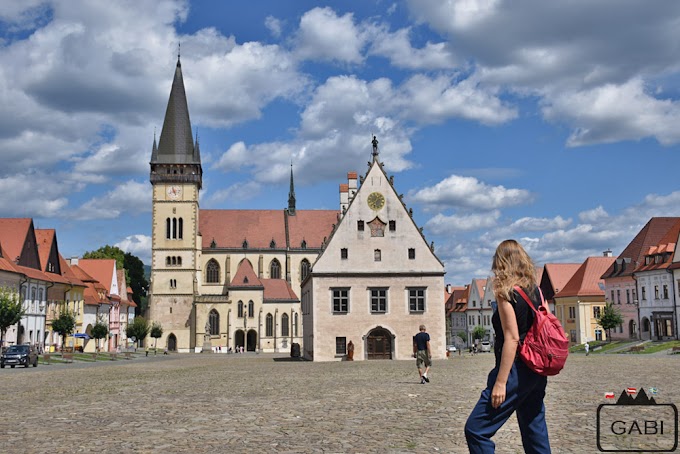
(47, 284)
(642, 283)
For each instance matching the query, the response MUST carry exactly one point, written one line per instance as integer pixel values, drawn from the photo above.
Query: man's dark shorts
(422, 358)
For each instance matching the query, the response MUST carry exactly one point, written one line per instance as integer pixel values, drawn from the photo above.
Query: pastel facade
(474, 309)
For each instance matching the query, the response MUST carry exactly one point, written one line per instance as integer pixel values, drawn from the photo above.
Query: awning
(81, 335)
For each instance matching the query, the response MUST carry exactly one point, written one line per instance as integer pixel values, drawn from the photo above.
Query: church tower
(176, 176)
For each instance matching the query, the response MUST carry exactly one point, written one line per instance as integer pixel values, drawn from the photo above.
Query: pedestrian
(147, 351)
(422, 353)
(165, 351)
(511, 386)
(587, 347)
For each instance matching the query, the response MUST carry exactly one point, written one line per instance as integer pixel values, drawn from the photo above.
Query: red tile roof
(100, 269)
(44, 238)
(560, 273)
(344, 187)
(245, 276)
(665, 247)
(278, 290)
(587, 280)
(479, 283)
(68, 273)
(312, 226)
(13, 233)
(649, 235)
(5, 264)
(33, 273)
(351, 175)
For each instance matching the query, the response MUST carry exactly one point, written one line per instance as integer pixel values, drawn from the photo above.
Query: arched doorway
(632, 329)
(252, 340)
(172, 343)
(646, 333)
(379, 344)
(239, 338)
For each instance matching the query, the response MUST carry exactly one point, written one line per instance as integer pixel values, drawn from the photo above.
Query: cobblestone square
(267, 403)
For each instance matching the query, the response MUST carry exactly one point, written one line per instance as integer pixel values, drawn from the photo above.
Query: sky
(554, 123)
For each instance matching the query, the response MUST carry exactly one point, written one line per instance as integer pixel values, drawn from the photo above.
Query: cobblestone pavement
(267, 403)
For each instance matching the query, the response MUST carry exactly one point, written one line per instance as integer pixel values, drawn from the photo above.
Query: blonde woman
(511, 386)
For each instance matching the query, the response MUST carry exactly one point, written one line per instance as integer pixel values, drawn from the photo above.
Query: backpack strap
(524, 296)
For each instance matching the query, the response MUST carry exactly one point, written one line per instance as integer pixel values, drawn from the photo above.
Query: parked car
(451, 348)
(19, 355)
(485, 346)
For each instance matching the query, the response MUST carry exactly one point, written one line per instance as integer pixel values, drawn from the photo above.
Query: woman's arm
(511, 341)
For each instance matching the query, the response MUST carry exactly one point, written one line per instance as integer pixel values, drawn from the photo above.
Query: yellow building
(579, 304)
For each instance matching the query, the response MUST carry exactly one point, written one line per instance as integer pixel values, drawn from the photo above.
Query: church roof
(175, 145)
(230, 228)
(278, 290)
(245, 276)
(587, 280)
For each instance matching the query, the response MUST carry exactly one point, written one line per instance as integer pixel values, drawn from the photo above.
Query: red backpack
(545, 347)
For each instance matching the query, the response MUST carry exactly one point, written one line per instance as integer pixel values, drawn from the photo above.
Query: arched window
(179, 261)
(167, 228)
(275, 270)
(295, 325)
(284, 324)
(251, 309)
(181, 228)
(167, 261)
(240, 309)
(40, 295)
(214, 319)
(270, 326)
(305, 267)
(174, 260)
(174, 228)
(212, 272)
(33, 294)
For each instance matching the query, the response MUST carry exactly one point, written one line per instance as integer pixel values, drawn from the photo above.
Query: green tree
(610, 317)
(64, 325)
(478, 333)
(11, 310)
(139, 329)
(462, 335)
(156, 332)
(137, 281)
(100, 330)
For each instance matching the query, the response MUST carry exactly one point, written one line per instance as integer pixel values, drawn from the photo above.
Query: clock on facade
(376, 201)
(174, 192)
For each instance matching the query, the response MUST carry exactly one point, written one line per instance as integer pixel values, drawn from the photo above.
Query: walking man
(587, 347)
(422, 353)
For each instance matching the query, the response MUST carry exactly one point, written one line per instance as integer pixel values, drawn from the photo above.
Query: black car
(19, 355)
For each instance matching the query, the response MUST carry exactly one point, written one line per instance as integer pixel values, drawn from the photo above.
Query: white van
(485, 346)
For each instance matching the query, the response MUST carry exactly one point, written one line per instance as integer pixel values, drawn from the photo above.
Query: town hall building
(233, 278)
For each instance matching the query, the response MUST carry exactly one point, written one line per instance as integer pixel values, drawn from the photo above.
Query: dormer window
(360, 226)
(393, 226)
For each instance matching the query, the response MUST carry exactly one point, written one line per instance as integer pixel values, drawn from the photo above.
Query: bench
(67, 357)
(637, 348)
(128, 355)
(46, 358)
(674, 350)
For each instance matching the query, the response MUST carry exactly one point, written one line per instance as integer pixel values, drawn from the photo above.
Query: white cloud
(447, 225)
(470, 193)
(130, 197)
(236, 193)
(397, 47)
(33, 195)
(324, 35)
(596, 215)
(273, 25)
(138, 245)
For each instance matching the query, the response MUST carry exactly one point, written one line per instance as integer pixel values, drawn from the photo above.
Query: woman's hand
(497, 394)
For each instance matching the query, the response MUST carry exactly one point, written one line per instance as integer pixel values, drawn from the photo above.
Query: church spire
(291, 193)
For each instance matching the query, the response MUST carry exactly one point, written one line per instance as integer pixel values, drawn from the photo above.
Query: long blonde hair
(512, 266)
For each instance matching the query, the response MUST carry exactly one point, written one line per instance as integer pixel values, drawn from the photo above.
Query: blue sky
(555, 123)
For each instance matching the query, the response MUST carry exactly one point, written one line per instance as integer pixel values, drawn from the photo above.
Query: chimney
(344, 197)
(73, 261)
(448, 288)
(607, 253)
(351, 184)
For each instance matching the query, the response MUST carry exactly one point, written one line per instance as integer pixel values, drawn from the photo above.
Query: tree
(610, 318)
(11, 310)
(139, 329)
(156, 332)
(100, 330)
(64, 325)
(478, 333)
(462, 336)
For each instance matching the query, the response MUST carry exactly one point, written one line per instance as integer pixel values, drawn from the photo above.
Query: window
(644, 293)
(295, 325)
(393, 226)
(656, 292)
(378, 300)
(360, 226)
(343, 253)
(284, 325)
(251, 309)
(340, 345)
(377, 255)
(597, 310)
(598, 334)
(665, 291)
(479, 320)
(269, 330)
(416, 299)
(305, 266)
(612, 300)
(275, 269)
(240, 309)
(214, 320)
(167, 229)
(618, 296)
(572, 312)
(627, 296)
(340, 300)
(212, 272)
(173, 283)
(474, 303)
(181, 229)
(411, 253)
(168, 261)
(179, 261)
(572, 335)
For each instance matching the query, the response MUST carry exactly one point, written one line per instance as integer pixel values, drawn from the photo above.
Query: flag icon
(631, 390)
(653, 391)
(609, 395)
